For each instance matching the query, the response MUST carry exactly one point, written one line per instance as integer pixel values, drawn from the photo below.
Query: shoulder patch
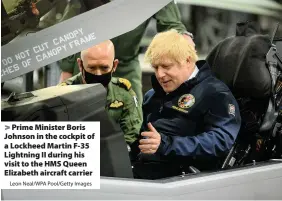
(186, 101)
(231, 109)
(116, 104)
(126, 83)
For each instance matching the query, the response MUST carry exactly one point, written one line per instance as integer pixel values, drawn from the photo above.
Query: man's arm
(169, 17)
(67, 66)
(134, 147)
(131, 117)
(64, 76)
(222, 124)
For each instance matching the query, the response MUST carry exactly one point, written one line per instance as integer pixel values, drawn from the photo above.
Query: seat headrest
(240, 62)
(247, 28)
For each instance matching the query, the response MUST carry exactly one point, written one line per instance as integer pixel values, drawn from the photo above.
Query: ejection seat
(249, 63)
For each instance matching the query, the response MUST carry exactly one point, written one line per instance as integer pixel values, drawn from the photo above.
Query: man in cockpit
(190, 117)
(128, 44)
(97, 65)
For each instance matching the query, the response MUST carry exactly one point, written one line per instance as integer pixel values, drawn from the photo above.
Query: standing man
(127, 48)
(190, 117)
(97, 65)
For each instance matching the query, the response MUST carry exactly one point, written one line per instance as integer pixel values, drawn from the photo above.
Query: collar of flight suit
(195, 72)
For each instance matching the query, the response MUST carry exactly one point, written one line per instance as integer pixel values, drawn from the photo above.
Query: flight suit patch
(186, 101)
(179, 109)
(231, 109)
(116, 104)
(125, 82)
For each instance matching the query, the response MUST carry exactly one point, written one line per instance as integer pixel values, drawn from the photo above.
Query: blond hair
(170, 44)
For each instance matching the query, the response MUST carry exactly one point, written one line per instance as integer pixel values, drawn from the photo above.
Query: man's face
(98, 66)
(97, 63)
(171, 74)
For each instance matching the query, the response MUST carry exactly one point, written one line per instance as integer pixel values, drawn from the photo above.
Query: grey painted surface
(262, 182)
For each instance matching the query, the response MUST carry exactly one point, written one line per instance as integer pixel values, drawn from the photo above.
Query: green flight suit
(121, 105)
(127, 47)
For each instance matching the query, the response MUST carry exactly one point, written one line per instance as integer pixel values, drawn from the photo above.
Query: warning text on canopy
(45, 51)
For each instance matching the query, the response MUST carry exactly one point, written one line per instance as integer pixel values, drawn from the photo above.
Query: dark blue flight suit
(198, 124)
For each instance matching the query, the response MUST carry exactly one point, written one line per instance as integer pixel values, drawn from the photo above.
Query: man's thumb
(151, 127)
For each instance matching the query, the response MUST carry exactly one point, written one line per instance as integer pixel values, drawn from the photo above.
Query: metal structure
(257, 180)
(253, 182)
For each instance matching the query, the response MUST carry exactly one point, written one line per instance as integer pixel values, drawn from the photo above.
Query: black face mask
(92, 79)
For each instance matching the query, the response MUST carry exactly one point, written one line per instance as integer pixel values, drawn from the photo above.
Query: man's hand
(64, 76)
(151, 144)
